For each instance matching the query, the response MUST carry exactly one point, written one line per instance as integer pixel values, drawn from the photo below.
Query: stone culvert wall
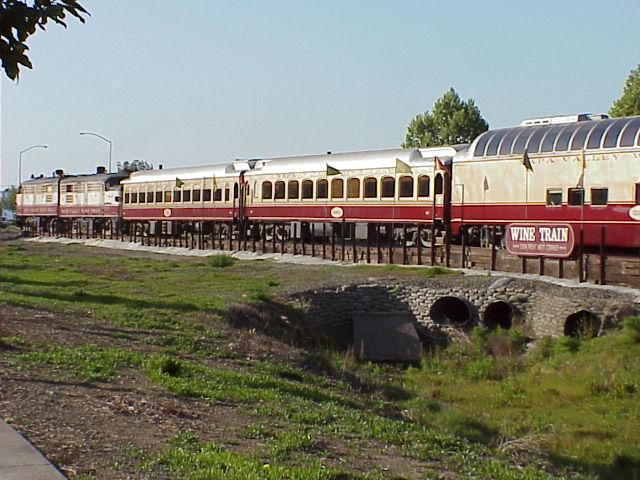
(445, 309)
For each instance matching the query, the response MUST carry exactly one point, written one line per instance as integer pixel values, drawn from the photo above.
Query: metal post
(378, 243)
(602, 257)
(368, 243)
(405, 259)
(353, 242)
(313, 239)
(333, 241)
(581, 276)
(390, 241)
(295, 238)
(343, 230)
(324, 240)
(282, 239)
(493, 248)
(541, 268)
(419, 243)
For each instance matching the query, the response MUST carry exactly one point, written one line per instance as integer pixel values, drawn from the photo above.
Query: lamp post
(106, 140)
(20, 160)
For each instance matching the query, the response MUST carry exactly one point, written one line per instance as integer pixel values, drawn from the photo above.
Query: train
(578, 174)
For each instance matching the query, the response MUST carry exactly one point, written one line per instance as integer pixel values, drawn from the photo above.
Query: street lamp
(106, 140)
(20, 160)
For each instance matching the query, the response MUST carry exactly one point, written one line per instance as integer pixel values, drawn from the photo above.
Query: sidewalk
(19, 460)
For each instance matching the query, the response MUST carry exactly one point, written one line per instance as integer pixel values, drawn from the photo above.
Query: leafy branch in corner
(19, 20)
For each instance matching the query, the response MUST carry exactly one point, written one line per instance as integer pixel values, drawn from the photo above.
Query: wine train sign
(540, 239)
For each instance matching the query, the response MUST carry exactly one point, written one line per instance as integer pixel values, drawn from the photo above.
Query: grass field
(494, 409)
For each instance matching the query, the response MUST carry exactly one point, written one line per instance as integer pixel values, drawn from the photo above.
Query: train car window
(196, 195)
(387, 187)
(492, 147)
(68, 188)
(353, 188)
(127, 198)
(186, 195)
(206, 195)
(307, 189)
(134, 197)
(637, 193)
(576, 196)
(226, 194)
(236, 190)
(577, 143)
(279, 190)
(142, 197)
(177, 195)
(599, 196)
(595, 137)
(521, 142)
(267, 191)
(159, 196)
(550, 139)
(322, 189)
(167, 196)
(534, 140)
(554, 197)
(611, 137)
(628, 137)
(337, 188)
(482, 144)
(370, 187)
(149, 197)
(217, 195)
(438, 185)
(562, 145)
(405, 187)
(423, 186)
(507, 142)
(293, 189)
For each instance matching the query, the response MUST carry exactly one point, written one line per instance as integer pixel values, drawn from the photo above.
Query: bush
(631, 328)
(566, 345)
(221, 261)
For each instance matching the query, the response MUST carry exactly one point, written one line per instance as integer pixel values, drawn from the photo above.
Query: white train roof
(583, 133)
(185, 173)
(353, 161)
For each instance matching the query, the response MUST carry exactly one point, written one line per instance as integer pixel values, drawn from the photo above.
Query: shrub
(221, 261)
(631, 328)
(566, 345)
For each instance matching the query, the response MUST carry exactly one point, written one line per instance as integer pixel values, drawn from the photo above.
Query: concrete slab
(388, 336)
(19, 460)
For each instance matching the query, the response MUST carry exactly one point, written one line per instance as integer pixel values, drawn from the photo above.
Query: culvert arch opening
(452, 310)
(498, 314)
(582, 324)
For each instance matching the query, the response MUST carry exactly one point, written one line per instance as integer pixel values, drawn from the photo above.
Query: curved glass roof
(589, 135)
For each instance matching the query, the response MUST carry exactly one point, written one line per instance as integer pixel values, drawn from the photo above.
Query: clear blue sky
(206, 81)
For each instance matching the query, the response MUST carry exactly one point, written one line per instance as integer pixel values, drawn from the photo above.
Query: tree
(8, 198)
(450, 122)
(134, 166)
(19, 20)
(629, 103)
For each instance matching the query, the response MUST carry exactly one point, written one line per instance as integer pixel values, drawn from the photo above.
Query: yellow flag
(402, 167)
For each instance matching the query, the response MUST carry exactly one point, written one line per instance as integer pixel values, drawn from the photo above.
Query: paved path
(19, 460)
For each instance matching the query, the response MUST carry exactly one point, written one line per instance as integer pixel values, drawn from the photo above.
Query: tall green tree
(8, 198)
(629, 103)
(450, 122)
(19, 20)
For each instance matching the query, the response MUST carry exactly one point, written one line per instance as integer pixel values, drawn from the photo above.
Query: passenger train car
(582, 171)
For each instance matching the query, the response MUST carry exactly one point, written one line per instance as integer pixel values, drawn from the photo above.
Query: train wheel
(282, 234)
